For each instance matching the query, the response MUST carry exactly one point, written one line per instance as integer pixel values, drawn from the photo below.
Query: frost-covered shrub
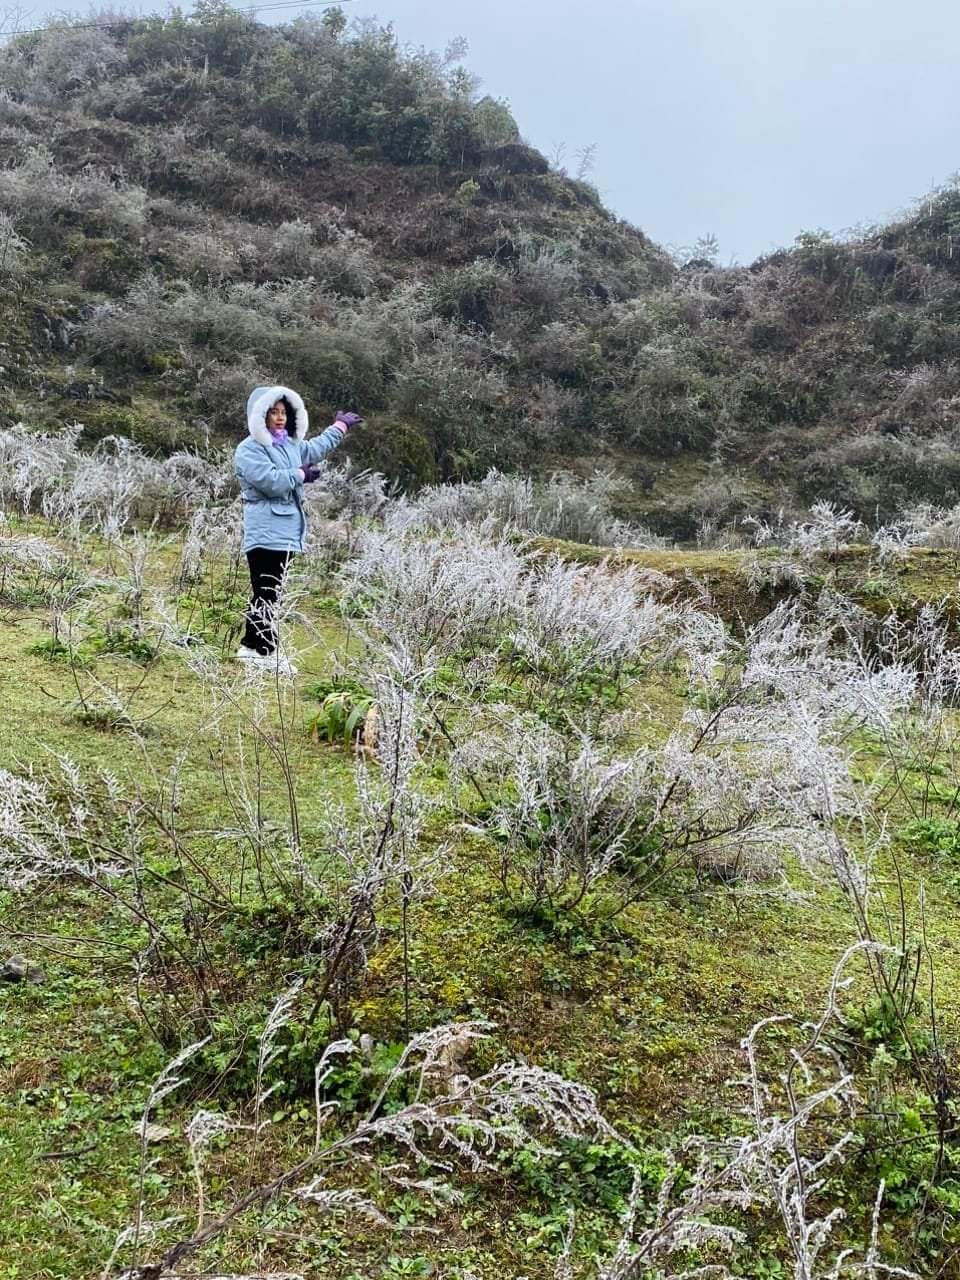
(772, 573)
(470, 295)
(220, 389)
(547, 272)
(13, 250)
(136, 327)
(564, 815)
(553, 620)
(201, 255)
(279, 325)
(560, 507)
(60, 61)
(442, 1123)
(449, 383)
(922, 525)
(49, 826)
(104, 487)
(349, 267)
(748, 785)
(13, 112)
(577, 619)
(292, 248)
(829, 529)
(41, 198)
(729, 794)
(435, 595)
(345, 490)
(210, 530)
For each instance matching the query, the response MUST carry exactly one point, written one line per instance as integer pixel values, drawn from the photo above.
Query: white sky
(750, 119)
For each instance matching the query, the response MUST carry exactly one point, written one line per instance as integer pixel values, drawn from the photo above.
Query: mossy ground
(648, 1009)
(719, 579)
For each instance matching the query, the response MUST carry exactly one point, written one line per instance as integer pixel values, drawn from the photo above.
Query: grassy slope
(826, 371)
(649, 1013)
(903, 586)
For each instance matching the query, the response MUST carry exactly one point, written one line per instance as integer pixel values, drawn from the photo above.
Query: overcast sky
(752, 120)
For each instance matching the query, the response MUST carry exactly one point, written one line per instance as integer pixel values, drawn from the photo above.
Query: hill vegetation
(585, 908)
(443, 958)
(196, 204)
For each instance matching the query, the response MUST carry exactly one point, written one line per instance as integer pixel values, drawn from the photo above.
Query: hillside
(576, 906)
(193, 205)
(209, 201)
(438, 959)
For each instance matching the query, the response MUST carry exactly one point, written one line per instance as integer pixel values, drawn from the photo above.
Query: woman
(273, 464)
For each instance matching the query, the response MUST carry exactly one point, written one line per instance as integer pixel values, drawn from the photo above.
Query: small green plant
(330, 605)
(49, 648)
(212, 617)
(584, 1173)
(344, 707)
(937, 836)
(397, 1267)
(468, 191)
(125, 642)
(549, 921)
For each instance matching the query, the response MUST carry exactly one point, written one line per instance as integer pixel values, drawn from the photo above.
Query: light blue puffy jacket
(272, 492)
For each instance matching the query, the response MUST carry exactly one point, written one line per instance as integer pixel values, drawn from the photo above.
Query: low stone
(152, 1132)
(15, 969)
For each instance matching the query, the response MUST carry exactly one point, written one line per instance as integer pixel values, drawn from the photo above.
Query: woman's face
(277, 416)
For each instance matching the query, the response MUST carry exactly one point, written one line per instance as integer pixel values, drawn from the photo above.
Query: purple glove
(310, 473)
(348, 420)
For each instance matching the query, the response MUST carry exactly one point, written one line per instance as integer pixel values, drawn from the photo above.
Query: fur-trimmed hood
(261, 400)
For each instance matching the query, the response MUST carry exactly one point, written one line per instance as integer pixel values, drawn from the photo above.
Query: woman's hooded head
(262, 399)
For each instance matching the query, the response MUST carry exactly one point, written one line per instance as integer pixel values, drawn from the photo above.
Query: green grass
(924, 576)
(647, 1010)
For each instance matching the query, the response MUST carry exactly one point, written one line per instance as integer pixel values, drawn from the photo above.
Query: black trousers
(267, 569)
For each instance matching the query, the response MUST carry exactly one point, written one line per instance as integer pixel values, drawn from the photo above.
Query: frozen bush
(732, 794)
(747, 785)
(547, 272)
(136, 327)
(219, 389)
(576, 619)
(202, 255)
(13, 250)
(105, 487)
(348, 268)
(273, 325)
(922, 525)
(436, 596)
(829, 529)
(447, 381)
(560, 507)
(564, 816)
(774, 573)
(453, 1123)
(344, 490)
(59, 62)
(49, 825)
(213, 529)
(40, 197)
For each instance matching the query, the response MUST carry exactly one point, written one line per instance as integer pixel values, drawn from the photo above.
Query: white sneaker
(267, 661)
